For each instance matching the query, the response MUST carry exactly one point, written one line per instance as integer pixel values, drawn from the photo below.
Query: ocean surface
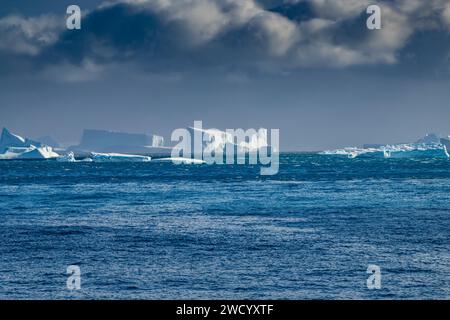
(164, 231)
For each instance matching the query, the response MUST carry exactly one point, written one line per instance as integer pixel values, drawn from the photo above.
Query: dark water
(161, 231)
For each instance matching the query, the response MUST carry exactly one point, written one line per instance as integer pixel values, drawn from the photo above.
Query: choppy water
(161, 231)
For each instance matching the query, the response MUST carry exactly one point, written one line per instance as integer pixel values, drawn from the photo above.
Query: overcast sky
(308, 67)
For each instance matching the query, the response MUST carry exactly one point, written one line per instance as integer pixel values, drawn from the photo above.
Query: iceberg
(44, 152)
(180, 160)
(257, 141)
(157, 141)
(446, 143)
(118, 157)
(98, 139)
(420, 150)
(430, 146)
(13, 146)
(70, 157)
(430, 138)
(119, 142)
(31, 152)
(353, 152)
(9, 139)
(215, 140)
(406, 150)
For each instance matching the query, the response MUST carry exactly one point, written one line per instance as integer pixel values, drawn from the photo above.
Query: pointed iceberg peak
(11, 140)
(13, 146)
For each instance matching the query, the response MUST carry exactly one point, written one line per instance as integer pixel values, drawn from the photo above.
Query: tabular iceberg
(180, 160)
(119, 142)
(118, 157)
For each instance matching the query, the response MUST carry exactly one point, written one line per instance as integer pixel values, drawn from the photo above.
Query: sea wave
(407, 150)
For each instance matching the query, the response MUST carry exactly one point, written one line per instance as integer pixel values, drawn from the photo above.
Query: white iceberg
(407, 150)
(157, 141)
(421, 150)
(118, 157)
(180, 160)
(353, 152)
(32, 152)
(13, 146)
(70, 157)
(215, 140)
(257, 141)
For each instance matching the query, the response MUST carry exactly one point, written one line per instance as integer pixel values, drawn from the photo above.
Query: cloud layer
(173, 35)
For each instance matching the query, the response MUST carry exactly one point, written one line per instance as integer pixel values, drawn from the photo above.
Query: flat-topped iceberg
(118, 157)
(103, 141)
(406, 150)
(181, 160)
(13, 146)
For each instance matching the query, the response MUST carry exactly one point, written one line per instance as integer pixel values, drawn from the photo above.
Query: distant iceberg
(119, 142)
(9, 139)
(353, 152)
(13, 146)
(157, 141)
(421, 150)
(118, 157)
(180, 160)
(446, 142)
(407, 150)
(215, 140)
(430, 138)
(257, 141)
(105, 157)
(31, 152)
(70, 157)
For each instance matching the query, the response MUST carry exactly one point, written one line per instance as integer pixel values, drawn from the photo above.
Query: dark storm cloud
(171, 35)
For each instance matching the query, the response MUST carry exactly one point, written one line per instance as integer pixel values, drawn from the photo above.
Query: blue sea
(164, 231)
